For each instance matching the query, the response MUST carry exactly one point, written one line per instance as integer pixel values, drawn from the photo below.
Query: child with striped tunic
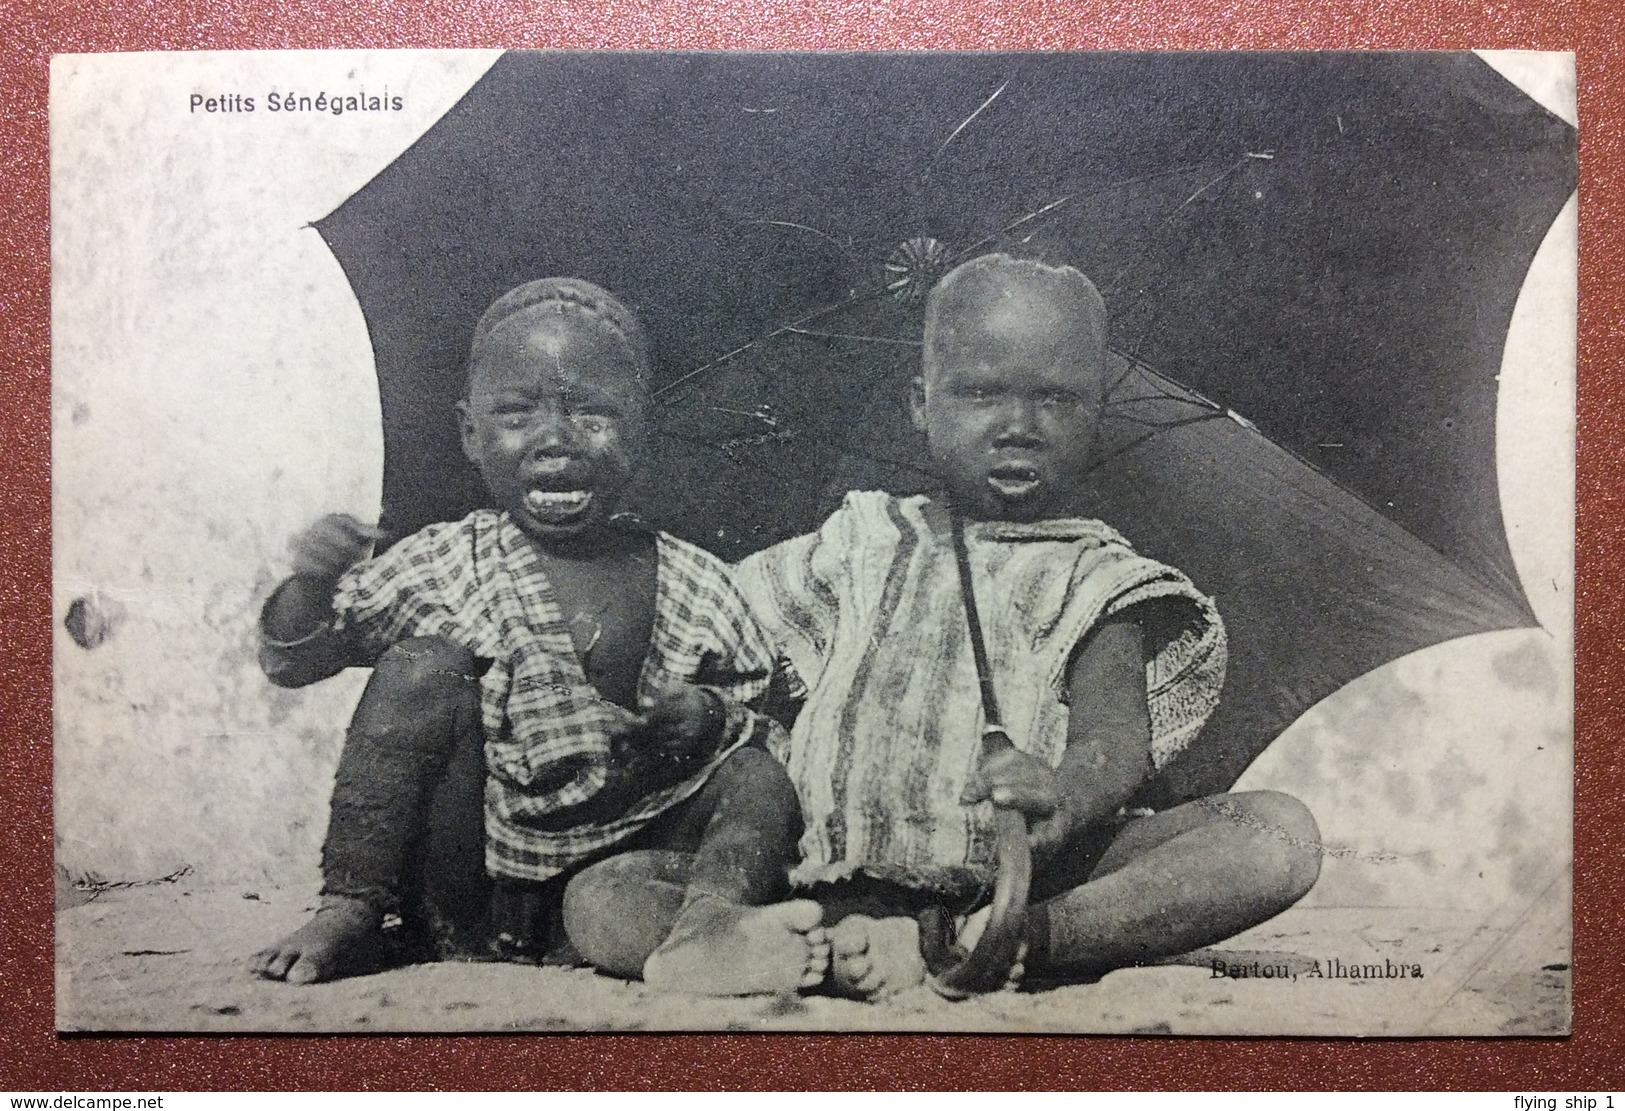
(1105, 664)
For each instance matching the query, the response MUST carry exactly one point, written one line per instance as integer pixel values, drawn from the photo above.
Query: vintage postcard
(554, 541)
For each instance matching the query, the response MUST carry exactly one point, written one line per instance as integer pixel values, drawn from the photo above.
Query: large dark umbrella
(1327, 246)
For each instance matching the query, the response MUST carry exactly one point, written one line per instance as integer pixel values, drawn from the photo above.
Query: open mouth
(558, 507)
(1014, 481)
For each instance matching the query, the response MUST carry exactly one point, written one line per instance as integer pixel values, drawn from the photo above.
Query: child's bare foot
(720, 948)
(341, 939)
(872, 957)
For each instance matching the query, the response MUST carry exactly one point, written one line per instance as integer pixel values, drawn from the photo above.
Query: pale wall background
(214, 392)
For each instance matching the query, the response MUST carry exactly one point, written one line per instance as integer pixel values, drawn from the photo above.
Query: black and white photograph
(1067, 542)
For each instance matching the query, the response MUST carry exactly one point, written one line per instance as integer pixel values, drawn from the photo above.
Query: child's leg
(420, 700)
(1176, 881)
(743, 826)
(727, 934)
(618, 911)
(447, 887)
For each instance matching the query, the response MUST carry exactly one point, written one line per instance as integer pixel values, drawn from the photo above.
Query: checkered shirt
(481, 583)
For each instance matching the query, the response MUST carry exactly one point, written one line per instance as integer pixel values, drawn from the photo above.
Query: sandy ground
(171, 957)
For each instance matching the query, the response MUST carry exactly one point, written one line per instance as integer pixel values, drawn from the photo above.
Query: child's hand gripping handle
(988, 965)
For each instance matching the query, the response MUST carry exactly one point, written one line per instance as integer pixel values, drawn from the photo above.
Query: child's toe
(273, 964)
(850, 936)
(305, 971)
(802, 915)
(856, 969)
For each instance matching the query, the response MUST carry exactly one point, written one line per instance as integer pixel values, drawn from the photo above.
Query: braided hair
(568, 295)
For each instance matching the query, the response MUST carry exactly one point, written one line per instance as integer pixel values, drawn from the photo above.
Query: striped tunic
(868, 612)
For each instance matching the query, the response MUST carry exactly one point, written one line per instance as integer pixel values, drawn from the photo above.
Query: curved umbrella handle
(987, 967)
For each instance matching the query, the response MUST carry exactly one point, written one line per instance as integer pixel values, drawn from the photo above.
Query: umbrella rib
(792, 225)
(1102, 191)
(1122, 402)
(1145, 422)
(966, 122)
(789, 433)
(817, 314)
(1174, 384)
(1014, 224)
(1122, 376)
(856, 338)
(762, 413)
(723, 447)
(1117, 279)
(1159, 430)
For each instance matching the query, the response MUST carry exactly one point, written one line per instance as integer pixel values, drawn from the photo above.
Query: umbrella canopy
(1310, 261)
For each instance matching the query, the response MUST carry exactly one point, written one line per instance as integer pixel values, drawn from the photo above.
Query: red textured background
(33, 1057)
